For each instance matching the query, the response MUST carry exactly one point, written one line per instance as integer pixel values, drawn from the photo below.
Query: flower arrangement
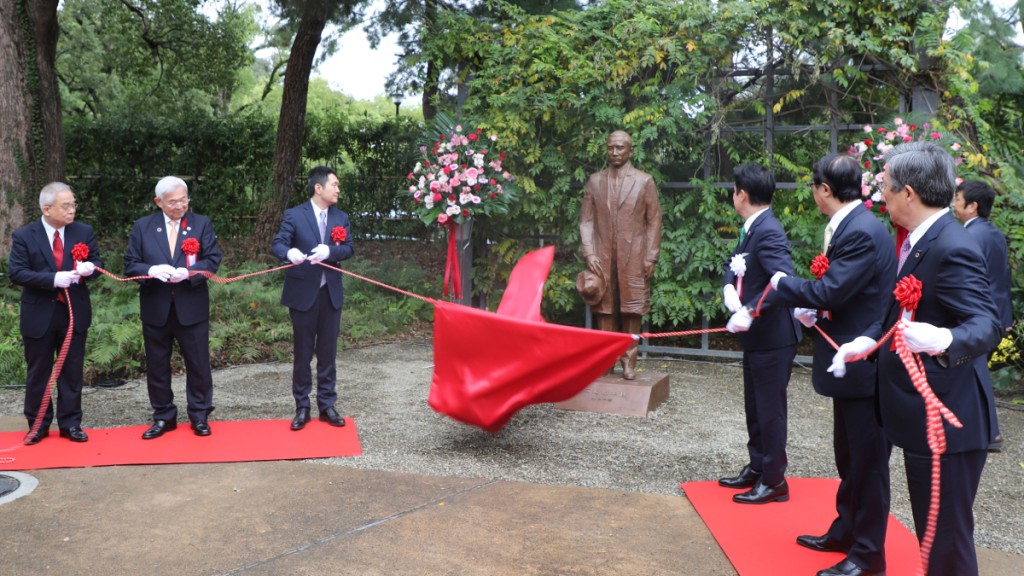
(460, 175)
(879, 140)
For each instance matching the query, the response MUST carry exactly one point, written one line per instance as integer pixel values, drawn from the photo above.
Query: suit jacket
(299, 229)
(33, 267)
(147, 246)
(955, 294)
(602, 221)
(993, 249)
(766, 250)
(856, 291)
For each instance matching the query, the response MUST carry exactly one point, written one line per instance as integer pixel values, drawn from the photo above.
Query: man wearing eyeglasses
(52, 282)
(168, 247)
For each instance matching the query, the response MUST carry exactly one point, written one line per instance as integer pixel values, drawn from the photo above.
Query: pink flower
(955, 146)
(867, 129)
(442, 218)
(936, 135)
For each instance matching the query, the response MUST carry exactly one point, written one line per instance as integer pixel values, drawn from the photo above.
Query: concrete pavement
(307, 517)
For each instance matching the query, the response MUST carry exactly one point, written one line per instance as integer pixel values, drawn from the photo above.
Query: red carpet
(246, 441)
(761, 540)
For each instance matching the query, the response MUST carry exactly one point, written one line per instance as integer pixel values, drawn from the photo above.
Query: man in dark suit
(41, 262)
(315, 231)
(848, 301)
(769, 339)
(175, 305)
(955, 322)
(972, 204)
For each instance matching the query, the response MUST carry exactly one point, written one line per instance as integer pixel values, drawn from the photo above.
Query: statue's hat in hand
(591, 286)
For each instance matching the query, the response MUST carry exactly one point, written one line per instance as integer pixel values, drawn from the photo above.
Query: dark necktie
(743, 235)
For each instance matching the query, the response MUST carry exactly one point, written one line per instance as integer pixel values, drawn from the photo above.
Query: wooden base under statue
(611, 394)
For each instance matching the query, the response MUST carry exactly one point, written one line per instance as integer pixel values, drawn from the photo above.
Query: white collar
(920, 230)
(50, 230)
(746, 225)
(837, 218)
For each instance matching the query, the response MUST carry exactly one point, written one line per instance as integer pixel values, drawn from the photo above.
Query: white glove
(161, 272)
(295, 255)
(740, 321)
(924, 337)
(178, 275)
(852, 349)
(807, 316)
(320, 253)
(65, 279)
(775, 280)
(731, 298)
(85, 269)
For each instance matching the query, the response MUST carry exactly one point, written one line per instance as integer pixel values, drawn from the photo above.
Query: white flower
(476, 199)
(876, 197)
(465, 198)
(453, 211)
(867, 129)
(738, 264)
(478, 160)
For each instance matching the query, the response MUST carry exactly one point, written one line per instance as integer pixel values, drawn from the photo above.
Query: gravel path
(698, 434)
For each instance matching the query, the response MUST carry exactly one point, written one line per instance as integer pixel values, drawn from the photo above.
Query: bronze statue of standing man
(620, 230)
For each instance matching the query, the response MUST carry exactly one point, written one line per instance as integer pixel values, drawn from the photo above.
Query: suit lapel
(41, 239)
(629, 188)
(311, 219)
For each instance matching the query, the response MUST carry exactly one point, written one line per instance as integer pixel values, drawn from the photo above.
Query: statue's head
(620, 148)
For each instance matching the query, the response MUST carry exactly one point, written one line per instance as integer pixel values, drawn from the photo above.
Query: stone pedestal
(610, 394)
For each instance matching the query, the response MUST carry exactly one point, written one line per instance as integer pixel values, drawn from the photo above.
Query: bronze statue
(620, 230)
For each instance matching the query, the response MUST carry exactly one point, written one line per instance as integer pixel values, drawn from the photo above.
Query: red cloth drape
(488, 366)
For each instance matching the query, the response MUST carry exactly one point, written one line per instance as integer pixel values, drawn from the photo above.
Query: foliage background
(181, 93)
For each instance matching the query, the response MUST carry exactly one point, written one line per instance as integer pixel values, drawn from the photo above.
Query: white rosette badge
(738, 265)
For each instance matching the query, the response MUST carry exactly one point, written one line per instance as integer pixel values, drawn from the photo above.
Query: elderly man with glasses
(168, 246)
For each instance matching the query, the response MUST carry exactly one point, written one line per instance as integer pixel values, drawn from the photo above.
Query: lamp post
(397, 99)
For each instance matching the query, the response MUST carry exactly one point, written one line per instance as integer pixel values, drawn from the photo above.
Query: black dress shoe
(761, 493)
(301, 418)
(331, 416)
(158, 428)
(201, 428)
(847, 568)
(36, 438)
(747, 478)
(75, 434)
(820, 543)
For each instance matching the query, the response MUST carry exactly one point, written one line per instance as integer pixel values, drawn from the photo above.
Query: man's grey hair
(169, 184)
(926, 168)
(50, 191)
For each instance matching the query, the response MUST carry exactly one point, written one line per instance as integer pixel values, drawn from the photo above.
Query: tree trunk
(430, 83)
(291, 125)
(32, 139)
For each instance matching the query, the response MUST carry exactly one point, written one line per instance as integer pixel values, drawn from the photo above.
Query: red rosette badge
(80, 252)
(338, 235)
(908, 294)
(818, 267)
(190, 247)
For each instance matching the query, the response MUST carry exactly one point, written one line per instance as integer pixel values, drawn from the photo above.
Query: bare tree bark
(291, 125)
(32, 139)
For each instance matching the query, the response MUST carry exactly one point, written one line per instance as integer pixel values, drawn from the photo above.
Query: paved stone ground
(698, 434)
